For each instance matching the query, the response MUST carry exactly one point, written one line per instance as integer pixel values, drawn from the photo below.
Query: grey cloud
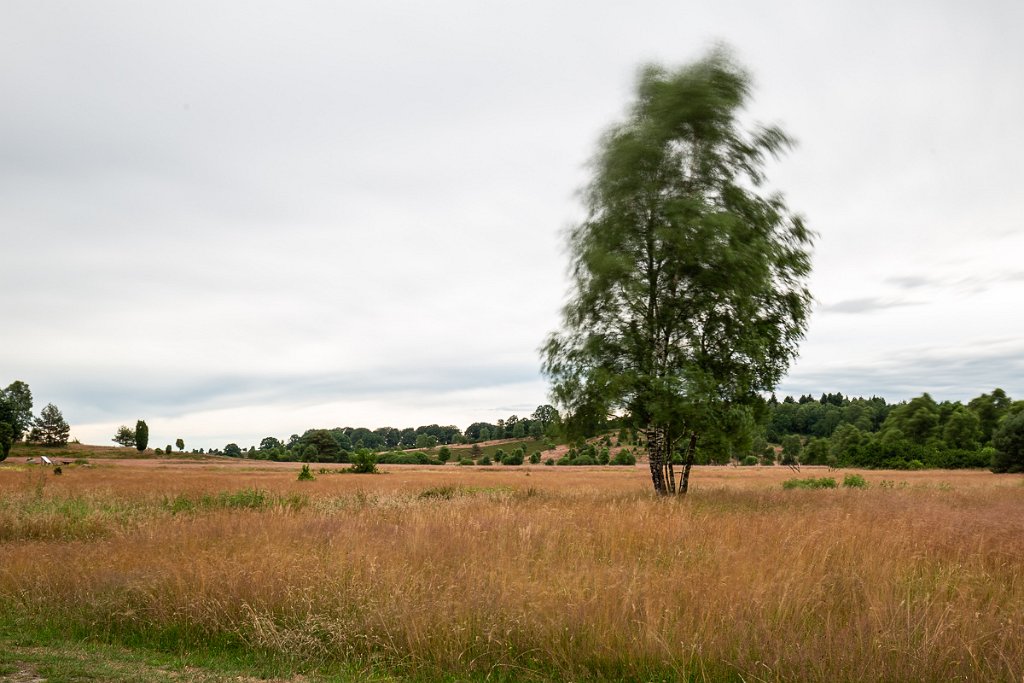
(865, 305)
(910, 281)
(91, 400)
(944, 373)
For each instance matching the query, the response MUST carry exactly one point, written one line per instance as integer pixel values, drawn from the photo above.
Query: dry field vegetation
(527, 573)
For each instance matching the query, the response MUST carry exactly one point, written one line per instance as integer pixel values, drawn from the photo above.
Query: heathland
(220, 568)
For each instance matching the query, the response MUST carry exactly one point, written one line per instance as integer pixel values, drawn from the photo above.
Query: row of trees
(337, 444)
(139, 437)
(18, 423)
(871, 432)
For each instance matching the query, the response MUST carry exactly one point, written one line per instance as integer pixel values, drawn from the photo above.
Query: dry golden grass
(544, 572)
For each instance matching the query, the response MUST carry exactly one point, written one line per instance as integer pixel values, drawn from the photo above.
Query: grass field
(203, 571)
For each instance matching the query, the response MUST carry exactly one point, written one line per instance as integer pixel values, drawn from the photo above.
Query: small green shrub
(535, 457)
(549, 462)
(514, 458)
(364, 462)
(810, 483)
(466, 462)
(854, 481)
(915, 465)
(305, 474)
(750, 460)
(624, 458)
(484, 460)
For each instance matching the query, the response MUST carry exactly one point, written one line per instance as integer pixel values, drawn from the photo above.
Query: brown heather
(531, 573)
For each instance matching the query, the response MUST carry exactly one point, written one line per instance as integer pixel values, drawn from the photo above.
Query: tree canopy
(688, 279)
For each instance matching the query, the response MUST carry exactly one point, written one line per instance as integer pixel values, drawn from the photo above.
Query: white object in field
(46, 460)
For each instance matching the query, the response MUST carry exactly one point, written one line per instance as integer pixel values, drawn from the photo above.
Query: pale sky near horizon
(237, 220)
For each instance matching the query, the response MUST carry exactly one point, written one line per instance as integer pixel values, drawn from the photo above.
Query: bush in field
(444, 454)
(549, 462)
(305, 474)
(484, 460)
(750, 460)
(602, 457)
(499, 455)
(467, 462)
(514, 458)
(363, 462)
(854, 481)
(810, 483)
(535, 457)
(624, 457)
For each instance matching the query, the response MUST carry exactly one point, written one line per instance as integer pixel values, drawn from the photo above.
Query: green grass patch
(810, 483)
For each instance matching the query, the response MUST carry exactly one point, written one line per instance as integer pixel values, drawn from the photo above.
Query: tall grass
(548, 577)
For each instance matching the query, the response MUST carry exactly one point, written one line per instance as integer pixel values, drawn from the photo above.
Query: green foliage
(6, 440)
(624, 457)
(167, 449)
(444, 454)
(50, 429)
(549, 462)
(514, 458)
(407, 458)
(750, 460)
(125, 436)
(232, 450)
(466, 462)
(364, 462)
(16, 408)
(1008, 441)
(535, 457)
(810, 483)
(854, 481)
(484, 460)
(180, 443)
(142, 435)
(689, 293)
(305, 474)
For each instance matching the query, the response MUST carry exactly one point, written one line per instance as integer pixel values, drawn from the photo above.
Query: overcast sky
(241, 219)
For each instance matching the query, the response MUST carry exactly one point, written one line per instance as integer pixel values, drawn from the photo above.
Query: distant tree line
(844, 431)
(338, 444)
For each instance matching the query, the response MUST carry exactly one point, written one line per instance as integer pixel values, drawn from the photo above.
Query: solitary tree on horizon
(141, 435)
(689, 279)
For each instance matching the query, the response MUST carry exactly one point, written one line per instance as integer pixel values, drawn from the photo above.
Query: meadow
(214, 571)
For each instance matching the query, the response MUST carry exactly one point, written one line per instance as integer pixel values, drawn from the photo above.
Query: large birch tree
(689, 278)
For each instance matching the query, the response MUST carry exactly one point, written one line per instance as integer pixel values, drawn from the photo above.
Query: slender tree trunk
(656, 458)
(684, 484)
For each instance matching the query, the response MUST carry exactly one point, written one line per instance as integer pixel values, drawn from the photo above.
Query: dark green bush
(854, 481)
(364, 462)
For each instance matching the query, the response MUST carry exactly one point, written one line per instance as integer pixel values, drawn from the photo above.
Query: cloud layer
(234, 218)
